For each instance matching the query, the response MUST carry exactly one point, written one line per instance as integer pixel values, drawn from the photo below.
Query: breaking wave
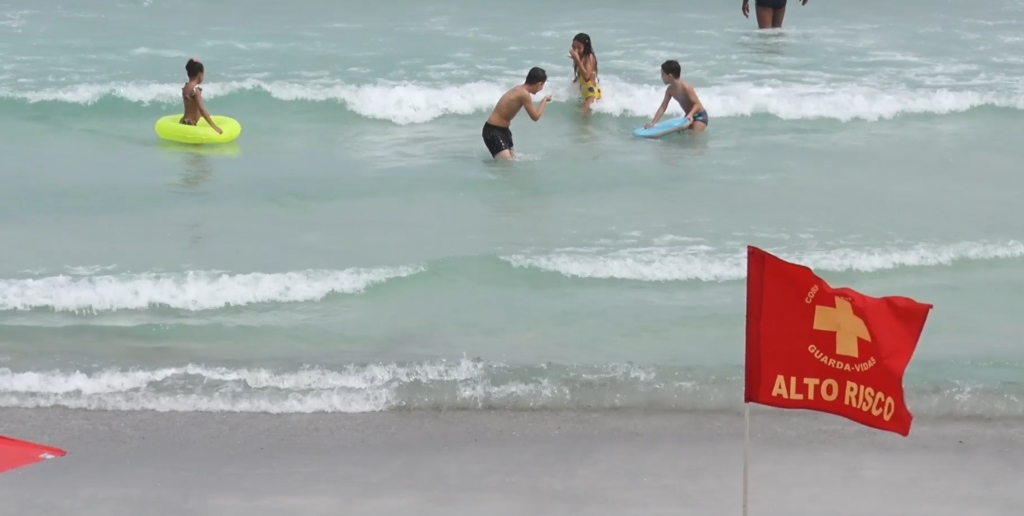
(464, 384)
(192, 290)
(414, 103)
(702, 263)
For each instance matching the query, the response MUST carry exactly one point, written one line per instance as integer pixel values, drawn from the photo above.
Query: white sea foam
(357, 388)
(704, 264)
(411, 103)
(463, 384)
(88, 270)
(146, 51)
(803, 102)
(193, 290)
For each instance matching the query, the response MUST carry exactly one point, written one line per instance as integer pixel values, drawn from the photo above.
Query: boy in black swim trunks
(686, 97)
(496, 134)
(192, 95)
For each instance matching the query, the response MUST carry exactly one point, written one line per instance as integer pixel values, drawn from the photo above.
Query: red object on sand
(828, 349)
(15, 453)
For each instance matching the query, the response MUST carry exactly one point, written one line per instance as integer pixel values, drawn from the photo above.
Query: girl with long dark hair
(585, 68)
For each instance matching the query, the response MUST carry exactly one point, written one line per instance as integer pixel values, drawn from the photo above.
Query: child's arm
(204, 112)
(661, 110)
(534, 112)
(583, 66)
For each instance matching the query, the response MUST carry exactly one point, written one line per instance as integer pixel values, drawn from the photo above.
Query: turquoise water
(356, 249)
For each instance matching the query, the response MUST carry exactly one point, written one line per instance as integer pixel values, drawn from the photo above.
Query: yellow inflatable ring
(171, 128)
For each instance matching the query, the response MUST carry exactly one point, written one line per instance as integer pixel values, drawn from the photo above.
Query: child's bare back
(509, 105)
(192, 96)
(683, 93)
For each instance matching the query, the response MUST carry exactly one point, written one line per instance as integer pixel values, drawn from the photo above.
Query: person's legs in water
(498, 141)
(764, 17)
(770, 13)
(587, 102)
(777, 17)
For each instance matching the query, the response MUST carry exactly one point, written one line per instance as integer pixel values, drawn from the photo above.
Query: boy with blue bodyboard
(687, 98)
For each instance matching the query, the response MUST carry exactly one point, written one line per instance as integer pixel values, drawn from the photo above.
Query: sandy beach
(514, 463)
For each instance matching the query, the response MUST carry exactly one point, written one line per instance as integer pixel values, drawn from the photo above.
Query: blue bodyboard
(662, 128)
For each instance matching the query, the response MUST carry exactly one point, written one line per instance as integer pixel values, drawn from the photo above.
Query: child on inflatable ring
(192, 95)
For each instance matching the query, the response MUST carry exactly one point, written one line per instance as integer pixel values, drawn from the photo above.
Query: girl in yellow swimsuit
(585, 67)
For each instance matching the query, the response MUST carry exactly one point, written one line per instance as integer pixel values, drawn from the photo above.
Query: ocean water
(357, 250)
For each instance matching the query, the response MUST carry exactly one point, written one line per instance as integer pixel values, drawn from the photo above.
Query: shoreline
(501, 462)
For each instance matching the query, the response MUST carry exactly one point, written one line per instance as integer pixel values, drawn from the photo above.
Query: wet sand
(508, 463)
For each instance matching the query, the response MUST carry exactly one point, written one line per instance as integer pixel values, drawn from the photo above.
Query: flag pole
(746, 452)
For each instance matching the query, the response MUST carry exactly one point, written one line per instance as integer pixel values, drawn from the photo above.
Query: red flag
(835, 350)
(15, 453)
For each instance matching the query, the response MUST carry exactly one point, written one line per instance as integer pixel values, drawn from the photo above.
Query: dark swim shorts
(496, 138)
(701, 117)
(771, 4)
